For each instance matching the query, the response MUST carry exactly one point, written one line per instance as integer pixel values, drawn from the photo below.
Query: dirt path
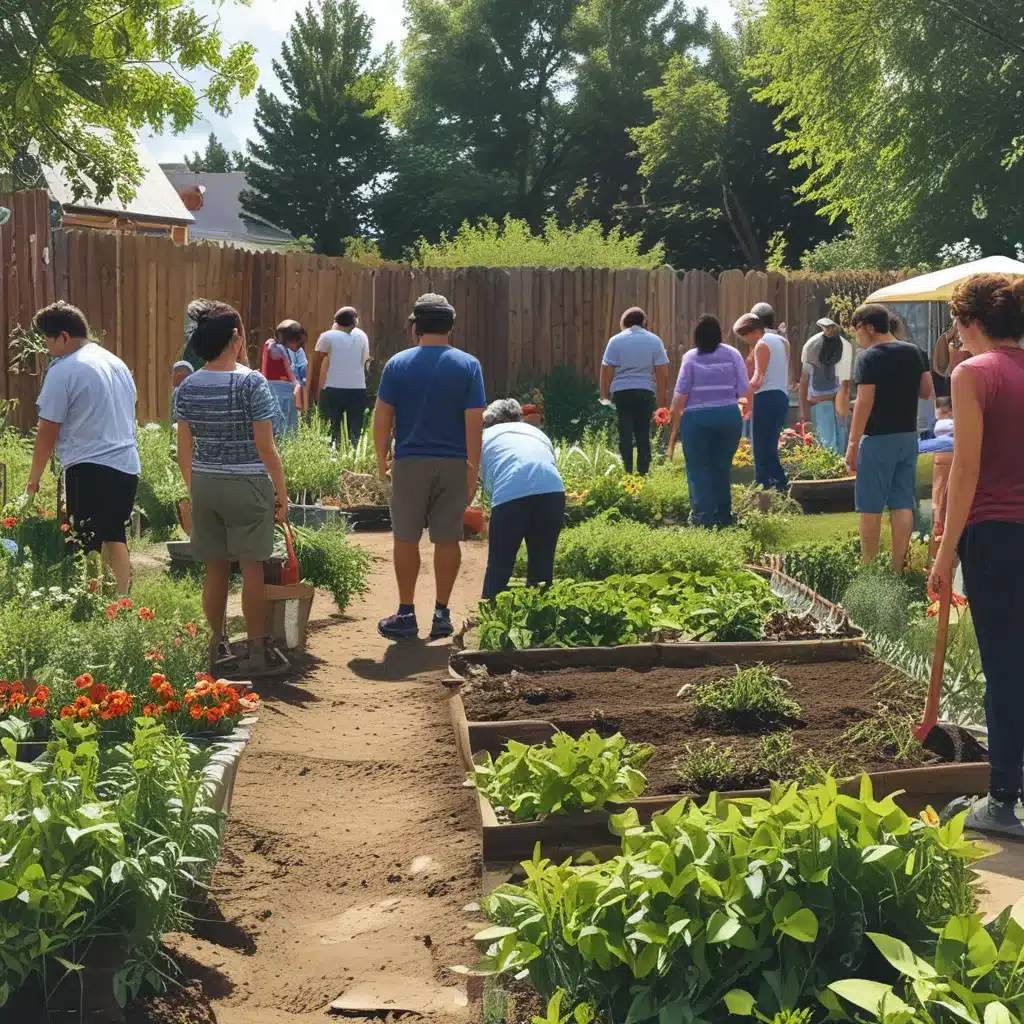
(351, 848)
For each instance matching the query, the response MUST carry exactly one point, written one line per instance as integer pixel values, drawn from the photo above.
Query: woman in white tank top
(771, 397)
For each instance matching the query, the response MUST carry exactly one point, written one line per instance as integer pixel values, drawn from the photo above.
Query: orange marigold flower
(213, 714)
(98, 693)
(4, 687)
(151, 711)
(203, 689)
(124, 603)
(177, 641)
(172, 707)
(111, 612)
(17, 686)
(81, 701)
(146, 615)
(204, 676)
(38, 711)
(83, 713)
(196, 711)
(67, 712)
(166, 692)
(662, 417)
(153, 655)
(15, 700)
(190, 695)
(41, 693)
(156, 680)
(10, 522)
(84, 681)
(190, 628)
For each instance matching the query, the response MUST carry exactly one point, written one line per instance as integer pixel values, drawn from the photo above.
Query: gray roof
(156, 198)
(221, 218)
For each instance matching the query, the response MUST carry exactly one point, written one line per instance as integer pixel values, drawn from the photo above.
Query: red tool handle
(290, 569)
(931, 707)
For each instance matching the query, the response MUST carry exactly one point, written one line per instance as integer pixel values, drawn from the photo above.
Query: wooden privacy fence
(520, 323)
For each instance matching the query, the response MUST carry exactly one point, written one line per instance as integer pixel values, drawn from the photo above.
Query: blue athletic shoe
(398, 627)
(441, 628)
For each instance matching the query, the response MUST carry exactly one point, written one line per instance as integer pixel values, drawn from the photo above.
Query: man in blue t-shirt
(433, 397)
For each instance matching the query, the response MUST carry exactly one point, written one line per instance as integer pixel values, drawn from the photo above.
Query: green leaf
(997, 1013)
(802, 926)
(872, 996)
(493, 933)
(721, 927)
(7, 891)
(741, 1003)
(902, 957)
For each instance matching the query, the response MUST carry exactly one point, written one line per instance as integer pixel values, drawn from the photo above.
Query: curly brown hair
(995, 301)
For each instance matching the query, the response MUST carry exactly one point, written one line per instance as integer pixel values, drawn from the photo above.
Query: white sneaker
(990, 815)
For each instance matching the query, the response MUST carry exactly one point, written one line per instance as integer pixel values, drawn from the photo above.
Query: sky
(264, 23)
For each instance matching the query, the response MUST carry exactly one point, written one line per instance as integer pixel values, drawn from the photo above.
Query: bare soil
(352, 847)
(645, 708)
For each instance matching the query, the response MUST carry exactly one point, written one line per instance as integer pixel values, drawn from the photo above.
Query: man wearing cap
(433, 397)
(276, 367)
(342, 378)
(770, 384)
(827, 360)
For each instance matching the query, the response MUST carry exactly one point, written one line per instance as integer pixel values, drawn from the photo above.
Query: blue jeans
(992, 553)
(710, 439)
(288, 416)
(770, 411)
(829, 429)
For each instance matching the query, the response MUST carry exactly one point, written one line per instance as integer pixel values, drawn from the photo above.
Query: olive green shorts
(428, 493)
(232, 517)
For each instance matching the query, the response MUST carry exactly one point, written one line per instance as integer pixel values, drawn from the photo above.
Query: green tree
(714, 190)
(215, 160)
(322, 148)
(906, 114)
(78, 79)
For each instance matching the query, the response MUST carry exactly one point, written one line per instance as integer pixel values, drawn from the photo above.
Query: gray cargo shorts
(428, 493)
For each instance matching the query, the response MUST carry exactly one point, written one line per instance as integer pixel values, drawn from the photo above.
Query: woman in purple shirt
(712, 380)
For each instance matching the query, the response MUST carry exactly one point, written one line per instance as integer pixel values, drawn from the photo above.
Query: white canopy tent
(938, 286)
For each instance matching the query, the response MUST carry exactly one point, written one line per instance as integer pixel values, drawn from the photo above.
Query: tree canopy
(322, 149)
(78, 79)
(215, 159)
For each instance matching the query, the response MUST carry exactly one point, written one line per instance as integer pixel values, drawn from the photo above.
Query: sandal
(221, 657)
(263, 661)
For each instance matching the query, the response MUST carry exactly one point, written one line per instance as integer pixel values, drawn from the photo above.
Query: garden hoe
(950, 742)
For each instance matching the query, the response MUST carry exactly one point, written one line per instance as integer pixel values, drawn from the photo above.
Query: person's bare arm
(805, 405)
(661, 383)
(263, 435)
(861, 412)
(46, 440)
(322, 378)
(474, 444)
(185, 453)
(927, 391)
(963, 475)
(762, 354)
(607, 375)
(677, 410)
(383, 420)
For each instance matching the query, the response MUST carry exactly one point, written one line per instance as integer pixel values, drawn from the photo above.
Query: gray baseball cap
(431, 304)
(762, 309)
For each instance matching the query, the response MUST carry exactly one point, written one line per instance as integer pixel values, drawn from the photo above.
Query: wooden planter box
(572, 835)
(815, 496)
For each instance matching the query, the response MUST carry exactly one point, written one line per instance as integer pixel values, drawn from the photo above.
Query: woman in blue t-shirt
(519, 472)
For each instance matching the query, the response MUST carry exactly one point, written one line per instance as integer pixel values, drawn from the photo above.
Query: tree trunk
(739, 222)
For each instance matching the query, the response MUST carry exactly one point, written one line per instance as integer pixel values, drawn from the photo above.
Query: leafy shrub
(827, 567)
(173, 599)
(706, 767)
(569, 402)
(879, 601)
(513, 244)
(329, 560)
(662, 496)
(609, 547)
(582, 463)
(813, 462)
(776, 760)
(97, 849)
(730, 606)
(756, 693)
(161, 485)
(563, 776)
(16, 455)
(311, 469)
(708, 910)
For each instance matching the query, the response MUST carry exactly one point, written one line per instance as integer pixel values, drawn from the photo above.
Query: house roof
(221, 217)
(156, 198)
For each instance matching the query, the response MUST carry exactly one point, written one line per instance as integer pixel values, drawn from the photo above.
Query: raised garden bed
(359, 517)
(643, 703)
(815, 496)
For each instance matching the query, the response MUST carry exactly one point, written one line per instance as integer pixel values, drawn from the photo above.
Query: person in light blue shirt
(634, 372)
(520, 473)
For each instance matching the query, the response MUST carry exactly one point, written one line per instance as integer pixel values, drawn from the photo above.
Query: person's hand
(941, 578)
(298, 396)
(471, 482)
(382, 470)
(851, 458)
(281, 511)
(32, 488)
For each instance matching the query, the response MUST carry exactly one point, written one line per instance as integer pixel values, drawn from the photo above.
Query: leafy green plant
(888, 735)
(311, 466)
(706, 767)
(827, 567)
(563, 776)
(328, 559)
(878, 601)
(581, 464)
(609, 547)
(776, 759)
(755, 694)
(582, 1014)
(161, 485)
(99, 849)
(661, 497)
(813, 462)
(766, 901)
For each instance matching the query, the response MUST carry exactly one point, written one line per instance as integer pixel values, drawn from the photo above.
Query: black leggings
(635, 407)
(349, 403)
(537, 519)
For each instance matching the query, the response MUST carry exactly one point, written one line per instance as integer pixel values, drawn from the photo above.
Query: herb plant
(755, 694)
(706, 767)
(564, 776)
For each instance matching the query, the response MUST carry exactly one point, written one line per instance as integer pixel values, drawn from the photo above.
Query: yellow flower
(930, 818)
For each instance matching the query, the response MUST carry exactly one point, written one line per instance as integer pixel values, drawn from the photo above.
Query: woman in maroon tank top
(985, 523)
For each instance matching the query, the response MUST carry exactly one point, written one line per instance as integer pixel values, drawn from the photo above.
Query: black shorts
(100, 502)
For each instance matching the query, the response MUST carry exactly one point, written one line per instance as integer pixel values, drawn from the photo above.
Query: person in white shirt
(342, 381)
(827, 361)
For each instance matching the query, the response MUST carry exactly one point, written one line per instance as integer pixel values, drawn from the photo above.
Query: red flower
(177, 641)
(124, 603)
(156, 680)
(98, 693)
(111, 612)
(146, 615)
(64, 527)
(36, 711)
(84, 681)
(151, 711)
(41, 693)
(662, 417)
(172, 707)
(153, 655)
(190, 628)
(10, 522)
(196, 711)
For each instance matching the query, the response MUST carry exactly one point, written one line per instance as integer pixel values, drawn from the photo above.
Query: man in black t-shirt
(891, 377)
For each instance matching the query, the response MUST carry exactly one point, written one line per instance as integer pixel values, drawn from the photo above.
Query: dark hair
(61, 317)
(995, 301)
(873, 315)
(633, 317)
(944, 402)
(346, 316)
(707, 333)
(215, 323)
(434, 323)
(897, 327)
